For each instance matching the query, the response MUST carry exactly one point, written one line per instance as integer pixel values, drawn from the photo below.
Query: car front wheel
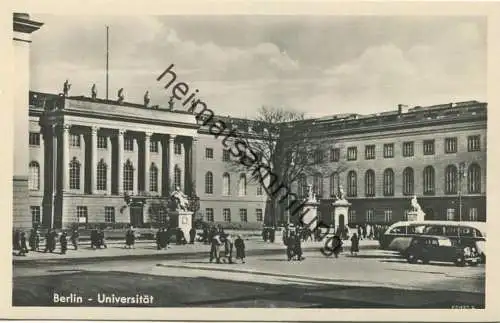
(411, 258)
(460, 262)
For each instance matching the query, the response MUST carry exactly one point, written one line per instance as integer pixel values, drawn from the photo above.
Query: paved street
(373, 279)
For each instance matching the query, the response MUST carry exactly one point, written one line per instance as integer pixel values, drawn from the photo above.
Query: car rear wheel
(460, 262)
(425, 260)
(411, 258)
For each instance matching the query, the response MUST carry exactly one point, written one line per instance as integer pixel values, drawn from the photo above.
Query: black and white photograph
(250, 161)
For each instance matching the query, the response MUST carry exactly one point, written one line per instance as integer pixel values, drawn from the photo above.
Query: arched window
(352, 183)
(388, 182)
(128, 176)
(370, 183)
(334, 183)
(429, 182)
(302, 185)
(318, 185)
(102, 174)
(153, 178)
(450, 179)
(242, 185)
(74, 174)
(226, 184)
(177, 176)
(209, 183)
(408, 181)
(474, 178)
(34, 176)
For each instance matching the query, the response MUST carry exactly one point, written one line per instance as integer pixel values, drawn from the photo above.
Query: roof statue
(171, 103)
(147, 99)
(93, 90)
(121, 96)
(66, 88)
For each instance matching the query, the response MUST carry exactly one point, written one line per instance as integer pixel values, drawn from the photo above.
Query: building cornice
(23, 24)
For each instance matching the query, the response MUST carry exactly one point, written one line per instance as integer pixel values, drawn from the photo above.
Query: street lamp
(461, 173)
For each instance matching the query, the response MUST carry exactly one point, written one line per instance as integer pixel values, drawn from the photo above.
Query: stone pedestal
(309, 215)
(416, 216)
(340, 213)
(182, 220)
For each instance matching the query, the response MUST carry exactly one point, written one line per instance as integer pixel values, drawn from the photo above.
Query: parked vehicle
(399, 235)
(427, 248)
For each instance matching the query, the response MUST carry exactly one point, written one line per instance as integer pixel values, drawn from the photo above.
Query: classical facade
(87, 154)
(436, 153)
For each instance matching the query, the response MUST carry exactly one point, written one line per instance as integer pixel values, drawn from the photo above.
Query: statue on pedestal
(341, 193)
(66, 88)
(93, 90)
(310, 193)
(180, 199)
(121, 96)
(414, 204)
(147, 99)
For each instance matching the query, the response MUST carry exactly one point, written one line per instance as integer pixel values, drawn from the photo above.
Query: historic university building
(87, 156)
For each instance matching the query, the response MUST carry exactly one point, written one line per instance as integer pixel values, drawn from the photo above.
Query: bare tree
(286, 149)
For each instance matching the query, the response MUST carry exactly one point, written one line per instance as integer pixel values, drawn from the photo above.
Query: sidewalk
(147, 249)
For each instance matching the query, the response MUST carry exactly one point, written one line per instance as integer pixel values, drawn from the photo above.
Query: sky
(319, 65)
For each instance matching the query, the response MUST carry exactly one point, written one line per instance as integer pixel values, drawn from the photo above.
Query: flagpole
(107, 61)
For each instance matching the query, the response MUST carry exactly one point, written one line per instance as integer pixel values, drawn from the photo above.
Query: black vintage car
(437, 248)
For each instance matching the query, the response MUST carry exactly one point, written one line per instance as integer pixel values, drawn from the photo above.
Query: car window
(434, 230)
(445, 242)
(466, 232)
(416, 229)
(477, 233)
(399, 230)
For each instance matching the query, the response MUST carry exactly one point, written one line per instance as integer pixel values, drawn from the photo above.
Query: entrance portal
(136, 215)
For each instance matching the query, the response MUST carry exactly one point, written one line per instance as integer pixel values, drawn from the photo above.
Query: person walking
(290, 245)
(63, 241)
(239, 244)
(215, 248)
(23, 247)
(336, 246)
(130, 238)
(354, 244)
(192, 235)
(74, 239)
(298, 246)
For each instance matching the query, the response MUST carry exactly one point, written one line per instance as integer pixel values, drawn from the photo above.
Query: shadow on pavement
(209, 292)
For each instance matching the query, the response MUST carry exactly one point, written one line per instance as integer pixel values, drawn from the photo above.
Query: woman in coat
(239, 244)
(354, 244)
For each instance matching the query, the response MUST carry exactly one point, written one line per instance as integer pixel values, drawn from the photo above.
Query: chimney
(400, 109)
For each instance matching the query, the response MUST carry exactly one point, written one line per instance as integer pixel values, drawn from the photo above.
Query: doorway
(136, 215)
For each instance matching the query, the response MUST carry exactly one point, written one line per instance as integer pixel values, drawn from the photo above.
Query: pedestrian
(130, 238)
(298, 247)
(215, 248)
(336, 245)
(63, 240)
(23, 247)
(159, 234)
(272, 234)
(74, 239)
(239, 244)
(364, 231)
(16, 242)
(192, 235)
(290, 245)
(228, 248)
(102, 239)
(354, 244)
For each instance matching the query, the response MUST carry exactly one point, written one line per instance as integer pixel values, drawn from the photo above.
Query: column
(147, 162)
(171, 140)
(135, 188)
(109, 168)
(119, 178)
(160, 166)
(93, 166)
(187, 167)
(194, 145)
(65, 159)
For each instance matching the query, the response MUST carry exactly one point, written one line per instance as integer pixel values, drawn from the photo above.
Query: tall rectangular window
(35, 214)
(408, 149)
(388, 216)
(109, 214)
(370, 215)
(128, 144)
(318, 156)
(473, 214)
(370, 152)
(258, 215)
(259, 189)
(334, 154)
(153, 146)
(352, 215)
(429, 147)
(82, 214)
(352, 153)
(226, 213)
(34, 139)
(388, 150)
(226, 155)
(209, 153)
(473, 143)
(74, 140)
(102, 142)
(450, 214)
(450, 145)
(177, 148)
(209, 214)
(243, 215)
